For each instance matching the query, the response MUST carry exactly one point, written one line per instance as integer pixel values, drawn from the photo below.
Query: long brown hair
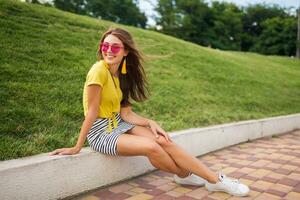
(133, 84)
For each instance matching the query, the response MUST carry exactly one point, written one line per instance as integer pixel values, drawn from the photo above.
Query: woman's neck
(114, 70)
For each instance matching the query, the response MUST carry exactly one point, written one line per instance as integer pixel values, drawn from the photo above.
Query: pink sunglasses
(115, 48)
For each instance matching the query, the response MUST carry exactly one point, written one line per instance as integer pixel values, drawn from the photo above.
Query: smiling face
(113, 50)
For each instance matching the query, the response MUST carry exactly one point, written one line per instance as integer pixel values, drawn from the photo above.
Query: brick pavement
(269, 166)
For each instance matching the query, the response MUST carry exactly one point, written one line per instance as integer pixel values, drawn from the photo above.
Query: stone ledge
(56, 177)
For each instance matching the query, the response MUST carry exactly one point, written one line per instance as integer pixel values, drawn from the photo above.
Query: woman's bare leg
(132, 145)
(183, 159)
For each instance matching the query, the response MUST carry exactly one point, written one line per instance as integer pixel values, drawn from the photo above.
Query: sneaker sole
(190, 184)
(238, 195)
(202, 184)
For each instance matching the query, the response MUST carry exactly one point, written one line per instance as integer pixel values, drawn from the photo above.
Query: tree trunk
(298, 38)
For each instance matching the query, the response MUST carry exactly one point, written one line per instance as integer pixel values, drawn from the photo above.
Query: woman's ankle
(183, 174)
(213, 180)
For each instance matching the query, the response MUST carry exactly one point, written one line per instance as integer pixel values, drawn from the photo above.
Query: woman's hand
(156, 130)
(65, 151)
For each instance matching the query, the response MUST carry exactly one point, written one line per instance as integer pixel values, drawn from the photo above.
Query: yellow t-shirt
(111, 95)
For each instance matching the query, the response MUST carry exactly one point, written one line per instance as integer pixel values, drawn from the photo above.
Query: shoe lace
(231, 183)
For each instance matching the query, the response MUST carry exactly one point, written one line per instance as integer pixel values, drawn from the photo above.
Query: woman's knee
(161, 140)
(153, 148)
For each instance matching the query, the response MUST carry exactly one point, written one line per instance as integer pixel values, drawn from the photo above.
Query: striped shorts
(100, 140)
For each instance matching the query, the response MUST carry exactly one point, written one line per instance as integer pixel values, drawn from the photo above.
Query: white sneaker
(231, 186)
(192, 179)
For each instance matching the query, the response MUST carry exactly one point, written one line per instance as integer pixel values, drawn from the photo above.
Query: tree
(253, 17)
(75, 6)
(298, 37)
(39, 2)
(169, 19)
(186, 19)
(120, 11)
(33, 1)
(278, 37)
(196, 20)
(218, 26)
(227, 26)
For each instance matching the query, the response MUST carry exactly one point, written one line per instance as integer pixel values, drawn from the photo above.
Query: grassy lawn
(46, 54)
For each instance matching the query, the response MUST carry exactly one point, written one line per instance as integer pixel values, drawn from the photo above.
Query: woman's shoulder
(98, 67)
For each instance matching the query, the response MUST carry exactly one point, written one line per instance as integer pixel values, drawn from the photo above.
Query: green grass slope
(46, 53)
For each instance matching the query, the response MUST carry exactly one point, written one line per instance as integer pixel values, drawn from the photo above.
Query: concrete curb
(56, 177)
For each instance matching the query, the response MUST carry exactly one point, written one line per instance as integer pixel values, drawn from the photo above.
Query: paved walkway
(270, 166)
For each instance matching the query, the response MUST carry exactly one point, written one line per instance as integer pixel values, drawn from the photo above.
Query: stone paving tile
(198, 193)
(269, 166)
(120, 188)
(90, 198)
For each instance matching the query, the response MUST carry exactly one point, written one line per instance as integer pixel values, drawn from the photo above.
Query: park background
(207, 63)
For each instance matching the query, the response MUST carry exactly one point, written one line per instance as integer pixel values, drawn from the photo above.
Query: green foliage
(74, 6)
(119, 11)
(226, 26)
(253, 17)
(188, 20)
(169, 19)
(255, 14)
(277, 37)
(46, 54)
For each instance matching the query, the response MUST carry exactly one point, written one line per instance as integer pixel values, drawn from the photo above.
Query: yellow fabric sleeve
(97, 75)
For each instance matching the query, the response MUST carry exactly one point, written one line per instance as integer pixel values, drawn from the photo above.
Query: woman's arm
(94, 92)
(129, 116)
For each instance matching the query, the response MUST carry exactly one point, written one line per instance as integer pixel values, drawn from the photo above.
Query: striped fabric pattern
(102, 141)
